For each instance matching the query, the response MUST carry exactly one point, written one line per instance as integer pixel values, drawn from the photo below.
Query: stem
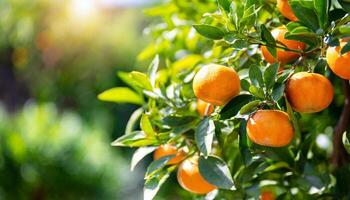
(340, 156)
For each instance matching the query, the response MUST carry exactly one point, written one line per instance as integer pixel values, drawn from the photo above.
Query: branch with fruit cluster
(229, 91)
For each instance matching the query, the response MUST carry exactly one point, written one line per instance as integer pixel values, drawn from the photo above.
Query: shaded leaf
(139, 154)
(204, 135)
(216, 172)
(255, 76)
(270, 75)
(234, 106)
(157, 165)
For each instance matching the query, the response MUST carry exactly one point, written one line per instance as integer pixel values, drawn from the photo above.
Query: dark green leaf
(245, 84)
(210, 32)
(157, 165)
(270, 75)
(345, 4)
(321, 8)
(266, 35)
(175, 120)
(255, 76)
(306, 16)
(346, 48)
(139, 154)
(225, 4)
(278, 92)
(216, 172)
(204, 135)
(234, 106)
(244, 143)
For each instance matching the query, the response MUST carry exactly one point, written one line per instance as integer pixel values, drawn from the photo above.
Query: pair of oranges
(188, 174)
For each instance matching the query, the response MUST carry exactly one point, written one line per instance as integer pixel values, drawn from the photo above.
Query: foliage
(45, 154)
(194, 33)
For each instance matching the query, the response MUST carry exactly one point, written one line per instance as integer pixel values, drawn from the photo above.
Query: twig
(340, 156)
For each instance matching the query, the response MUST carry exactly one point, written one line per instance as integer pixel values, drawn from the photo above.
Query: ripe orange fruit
(270, 128)
(285, 9)
(166, 150)
(202, 107)
(283, 56)
(338, 63)
(267, 195)
(309, 92)
(216, 84)
(190, 179)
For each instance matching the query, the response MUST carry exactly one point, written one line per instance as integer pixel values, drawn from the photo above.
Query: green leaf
(294, 121)
(245, 84)
(278, 92)
(127, 79)
(177, 120)
(321, 8)
(270, 75)
(146, 126)
(135, 116)
(157, 165)
(210, 32)
(346, 48)
(256, 91)
(306, 16)
(276, 166)
(153, 184)
(142, 80)
(204, 135)
(139, 154)
(135, 139)
(234, 106)
(267, 37)
(345, 4)
(250, 107)
(152, 70)
(346, 142)
(255, 76)
(225, 4)
(216, 172)
(244, 143)
(121, 95)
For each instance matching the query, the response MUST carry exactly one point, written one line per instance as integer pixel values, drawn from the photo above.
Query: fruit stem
(340, 156)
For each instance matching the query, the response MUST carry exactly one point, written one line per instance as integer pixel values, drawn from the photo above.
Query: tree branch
(340, 156)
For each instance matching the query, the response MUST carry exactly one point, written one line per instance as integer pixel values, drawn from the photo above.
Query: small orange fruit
(283, 56)
(267, 195)
(339, 64)
(285, 9)
(202, 107)
(190, 179)
(167, 150)
(270, 128)
(309, 92)
(216, 84)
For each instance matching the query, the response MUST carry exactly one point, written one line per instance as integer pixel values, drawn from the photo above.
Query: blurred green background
(55, 57)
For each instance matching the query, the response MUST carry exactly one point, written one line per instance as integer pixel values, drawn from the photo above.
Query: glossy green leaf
(270, 75)
(146, 126)
(157, 165)
(216, 172)
(306, 16)
(142, 80)
(175, 121)
(204, 135)
(234, 106)
(134, 139)
(257, 91)
(255, 76)
(210, 32)
(121, 95)
(225, 4)
(133, 120)
(153, 184)
(250, 107)
(321, 8)
(139, 154)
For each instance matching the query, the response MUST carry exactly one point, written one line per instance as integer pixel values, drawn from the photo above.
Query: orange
(190, 179)
(339, 64)
(283, 56)
(202, 107)
(267, 195)
(216, 84)
(167, 150)
(285, 9)
(270, 128)
(309, 92)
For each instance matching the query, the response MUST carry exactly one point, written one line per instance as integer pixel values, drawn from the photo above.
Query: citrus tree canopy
(243, 99)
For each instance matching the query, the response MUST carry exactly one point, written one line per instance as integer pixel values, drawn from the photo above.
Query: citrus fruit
(202, 106)
(283, 56)
(309, 92)
(339, 64)
(167, 150)
(285, 9)
(190, 179)
(270, 128)
(216, 84)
